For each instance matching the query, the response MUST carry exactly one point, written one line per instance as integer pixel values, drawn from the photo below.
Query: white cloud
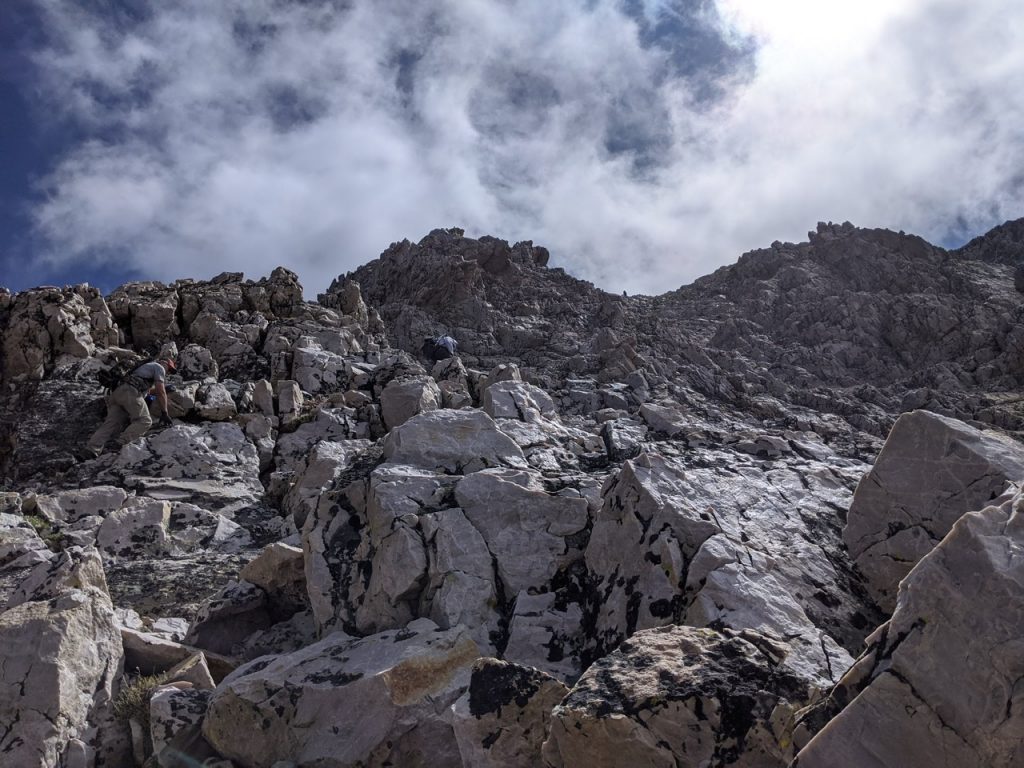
(242, 135)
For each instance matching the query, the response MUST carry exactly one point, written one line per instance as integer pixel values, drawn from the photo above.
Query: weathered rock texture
(678, 695)
(940, 683)
(931, 471)
(614, 530)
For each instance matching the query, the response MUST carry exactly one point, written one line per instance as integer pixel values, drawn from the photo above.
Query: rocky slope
(617, 531)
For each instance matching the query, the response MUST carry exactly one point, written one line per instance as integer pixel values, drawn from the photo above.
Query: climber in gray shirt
(127, 411)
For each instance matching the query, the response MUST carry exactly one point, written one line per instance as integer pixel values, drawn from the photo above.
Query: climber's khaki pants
(126, 407)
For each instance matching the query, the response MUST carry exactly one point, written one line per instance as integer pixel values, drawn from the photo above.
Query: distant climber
(439, 348)
(127, 410)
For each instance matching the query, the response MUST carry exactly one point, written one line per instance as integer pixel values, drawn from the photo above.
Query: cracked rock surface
(941, 682)
(613, 531)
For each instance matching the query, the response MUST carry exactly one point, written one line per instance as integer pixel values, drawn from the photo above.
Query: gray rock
(289, 397)
(213, 466)
(679, 696)
(74, 568)
(455, 441)
(324, 464)
(197, 362)
(59, 661)
(229, 617)
(402, 399)
(318, 371)
(504, 717)
(214, 403)
(171, 710)
(279, 571)
(373, 701)
(517, 400)
(940, 683)
(713, 548)
(151, 654)
(931, 471)
(528, 531)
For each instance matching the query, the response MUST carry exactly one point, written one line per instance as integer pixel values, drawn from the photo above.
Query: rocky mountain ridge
(615, 530)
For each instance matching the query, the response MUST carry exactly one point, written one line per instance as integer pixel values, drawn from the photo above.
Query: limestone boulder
(402, 399)
(664, 418)
(324, 463)
(172, 710)
(517, 400)
(679, 696)
(60, 659)
(931, 471)
(714, 547)
(229, 617)
(461, 585)
(43, 326)
(279, 571)
(343, 701)
(455, 441)
(530, 533)
(504, 717)
(316, 370)
(214, 403)
(20, 544)
(149, 310)
(137, 531)
(73, 505)
(197, 363)
(212, 466)
(333, 425)
(74, 568)
(940, 683)
(151, 654)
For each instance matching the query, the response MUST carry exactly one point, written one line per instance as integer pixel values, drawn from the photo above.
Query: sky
(644, 142)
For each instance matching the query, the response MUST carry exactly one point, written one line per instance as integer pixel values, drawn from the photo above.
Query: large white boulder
(931, 470)
(213, 466)
(517, 400)
(453, 441)
(710, 547)
(374, 701)
(941, 683)
(60, 659)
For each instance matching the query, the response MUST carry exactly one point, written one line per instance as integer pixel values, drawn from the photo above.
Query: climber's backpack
(118, 373)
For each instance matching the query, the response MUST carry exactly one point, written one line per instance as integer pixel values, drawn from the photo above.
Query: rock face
(343, 702)
(673, 545)
(931, 471)
(940, 682)
(678, 693)
(62, 658)
(613, 530)
(504, 717)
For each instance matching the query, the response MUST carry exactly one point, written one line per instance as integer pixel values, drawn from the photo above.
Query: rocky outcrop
(633, 507)
(344, 701)
(62, 658)
(931, 471)
(504, 717)
(710, 548)
(679, 694)
(939, 684)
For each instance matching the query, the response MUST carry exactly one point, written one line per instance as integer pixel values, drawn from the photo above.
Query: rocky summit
(772, 518)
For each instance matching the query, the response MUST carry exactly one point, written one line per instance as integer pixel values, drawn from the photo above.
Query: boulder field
(769, 519)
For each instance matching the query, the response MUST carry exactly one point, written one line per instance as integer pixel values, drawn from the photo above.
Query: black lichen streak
(496, 684)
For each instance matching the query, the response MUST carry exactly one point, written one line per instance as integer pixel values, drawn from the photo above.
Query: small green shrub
(52, 537)
(132, 703)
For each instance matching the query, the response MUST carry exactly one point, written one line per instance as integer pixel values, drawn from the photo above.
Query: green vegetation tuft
(132, 703)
